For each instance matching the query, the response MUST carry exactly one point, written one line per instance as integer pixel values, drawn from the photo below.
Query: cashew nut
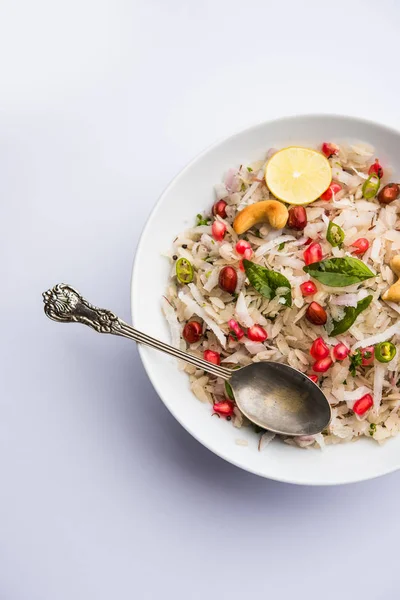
(393, 293)
(272, 211)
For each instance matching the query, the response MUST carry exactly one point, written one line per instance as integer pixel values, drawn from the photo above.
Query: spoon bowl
(281, 399)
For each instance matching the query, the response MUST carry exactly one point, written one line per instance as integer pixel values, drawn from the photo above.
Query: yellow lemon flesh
(298, 175)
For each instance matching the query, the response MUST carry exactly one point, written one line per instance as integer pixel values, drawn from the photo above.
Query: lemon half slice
(298, 175)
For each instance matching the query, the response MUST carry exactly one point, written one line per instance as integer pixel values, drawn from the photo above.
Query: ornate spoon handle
(64, 304)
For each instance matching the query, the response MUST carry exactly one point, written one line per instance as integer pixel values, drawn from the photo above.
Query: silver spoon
(271, 395)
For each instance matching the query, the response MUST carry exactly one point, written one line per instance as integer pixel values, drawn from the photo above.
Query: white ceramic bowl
(192, 192)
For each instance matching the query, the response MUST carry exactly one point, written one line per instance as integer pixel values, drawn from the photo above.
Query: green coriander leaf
(200, 220)
(281, 246)
(355, 361)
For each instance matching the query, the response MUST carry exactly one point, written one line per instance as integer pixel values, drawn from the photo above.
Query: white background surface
(102, 494)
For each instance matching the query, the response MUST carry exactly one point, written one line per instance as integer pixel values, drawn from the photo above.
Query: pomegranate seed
(219, 209)
(334, 188)
(329, 149)
(313, 253)
(224, 408)
(316, 314)
(256, 333)
(313, 378)
(241, 265)
(242, 246)
(218, 231)
(297, 218)
(376, 169)
(236, 332)
(248, 254)
(322, 365)
(212, 357)
(228, 279)
(367, 356)
(308, 242)
(361, 245)
(308, 288)
(319, 349)
(192, 332)
(340, 351)
(363, 404)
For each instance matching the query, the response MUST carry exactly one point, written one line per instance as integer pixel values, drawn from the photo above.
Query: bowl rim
(134, 285)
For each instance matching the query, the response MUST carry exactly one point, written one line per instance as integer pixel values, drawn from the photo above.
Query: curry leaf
(268, 283)
(350, 315)
(339, 272)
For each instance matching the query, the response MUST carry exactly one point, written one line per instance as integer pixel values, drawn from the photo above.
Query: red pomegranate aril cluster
(218, 230)
(329, 149)
(308, 288)
(192, 332)
(236, 332)
(256, 333)
(332, 190)
(316, 314)
(361, 245)
(319, 349)
(376, 169)
(219, 209)
(224, 408)
(212, 357)
(340, 351)
(367, 356)
(244, 248)
(322, 365)
(313, 253)
(361, 406)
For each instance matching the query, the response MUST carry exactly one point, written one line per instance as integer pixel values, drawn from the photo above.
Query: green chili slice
(371, 186)
(184, 270)
(385, 352)
(335, 234)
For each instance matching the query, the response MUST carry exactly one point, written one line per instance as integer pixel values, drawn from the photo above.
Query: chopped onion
(346, 178)
(220, 191)
(242, 312)
(200, 312)
(232, 181)
(378, 338)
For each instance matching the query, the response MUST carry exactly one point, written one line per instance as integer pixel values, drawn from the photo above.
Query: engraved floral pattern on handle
(64, 304)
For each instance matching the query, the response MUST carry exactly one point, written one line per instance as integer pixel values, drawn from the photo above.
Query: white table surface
(102, 494)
